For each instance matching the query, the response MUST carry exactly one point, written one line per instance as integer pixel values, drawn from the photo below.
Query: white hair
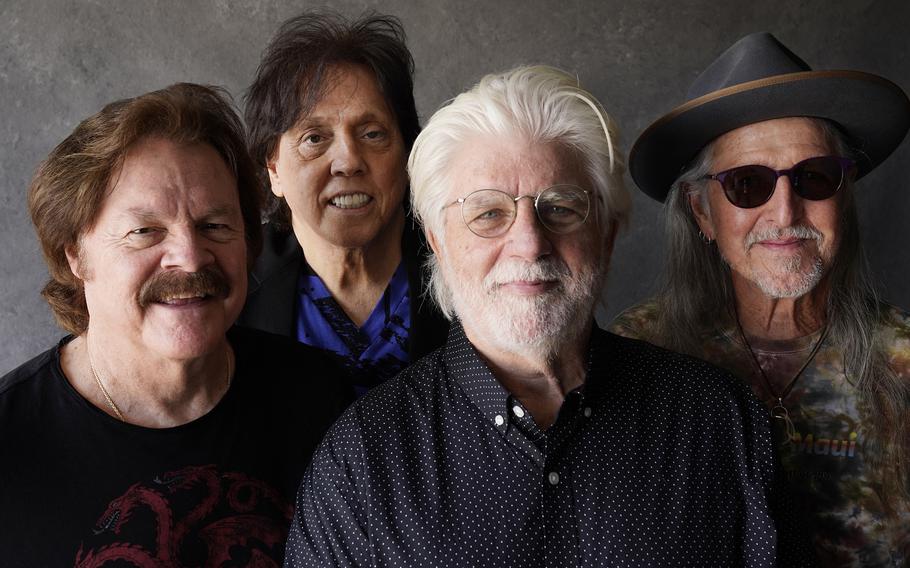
(537, 104)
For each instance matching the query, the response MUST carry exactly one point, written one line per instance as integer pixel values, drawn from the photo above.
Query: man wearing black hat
(765, 277)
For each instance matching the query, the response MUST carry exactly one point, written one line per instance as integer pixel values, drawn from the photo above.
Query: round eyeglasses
(489, 213)
(814, 179)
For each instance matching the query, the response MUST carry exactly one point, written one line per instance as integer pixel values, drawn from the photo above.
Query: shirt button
(553, 478)
(587, 411)
(518, 411)
(499, 420)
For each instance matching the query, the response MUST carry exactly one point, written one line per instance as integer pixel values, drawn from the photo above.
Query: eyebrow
(140, 214)
(220, 211)
(144, 214)
(311, 120)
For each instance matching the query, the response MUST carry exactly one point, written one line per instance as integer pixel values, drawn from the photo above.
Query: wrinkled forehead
(341, 87)
(161, 177)
(512, 164)
(778, 142)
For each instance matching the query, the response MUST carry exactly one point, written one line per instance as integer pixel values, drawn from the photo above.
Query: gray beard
(771, 287)
(536, 326)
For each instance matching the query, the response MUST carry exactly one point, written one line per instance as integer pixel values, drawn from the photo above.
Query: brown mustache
(209, 281)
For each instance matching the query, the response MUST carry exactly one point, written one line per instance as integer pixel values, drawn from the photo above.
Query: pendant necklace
(779, 411)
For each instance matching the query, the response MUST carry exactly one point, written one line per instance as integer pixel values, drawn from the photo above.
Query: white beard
(538, 324)
(790, 279)
(795, 281)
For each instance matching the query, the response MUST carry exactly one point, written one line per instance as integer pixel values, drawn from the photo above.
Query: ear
(72, 258)
(271, 167)
(702, 213)
(434, 244)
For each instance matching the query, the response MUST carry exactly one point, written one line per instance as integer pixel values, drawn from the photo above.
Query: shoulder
(410, 393)
(636, 322)
(270, 351)
(894, 336)
(280, 250)
(389, 425)
(27, 391)
(278, 357)
(29, 372)
(272, 283)
(657, 372)
(392, 408)
(635, 354)
(682, 399)
(895, 319)
(285, 382)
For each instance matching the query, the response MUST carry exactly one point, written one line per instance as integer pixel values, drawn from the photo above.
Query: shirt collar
(474, 377)
(472, 374)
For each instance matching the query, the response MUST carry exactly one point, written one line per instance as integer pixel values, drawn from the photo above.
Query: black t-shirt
(79, 487)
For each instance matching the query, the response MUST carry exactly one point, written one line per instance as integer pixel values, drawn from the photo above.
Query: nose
(186, 250)
(785, 207)
(347, 159)
(527, 237)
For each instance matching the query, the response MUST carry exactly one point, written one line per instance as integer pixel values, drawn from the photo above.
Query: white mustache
(794, 232)
(547, 269)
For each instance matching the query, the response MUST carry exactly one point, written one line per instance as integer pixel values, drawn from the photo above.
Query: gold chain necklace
(779, 411)
(110, 401)
(107, 397)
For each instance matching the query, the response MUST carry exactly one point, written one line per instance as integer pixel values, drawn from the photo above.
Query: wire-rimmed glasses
(489, 213)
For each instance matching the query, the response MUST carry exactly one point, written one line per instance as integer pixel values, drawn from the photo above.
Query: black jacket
(272, 295)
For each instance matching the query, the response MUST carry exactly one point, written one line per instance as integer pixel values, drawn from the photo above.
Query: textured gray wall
(61, 60)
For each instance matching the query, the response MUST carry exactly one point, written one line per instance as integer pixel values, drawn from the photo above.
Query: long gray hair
(697, 293)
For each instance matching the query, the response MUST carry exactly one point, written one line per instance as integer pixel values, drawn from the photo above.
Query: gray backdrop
(60, 61)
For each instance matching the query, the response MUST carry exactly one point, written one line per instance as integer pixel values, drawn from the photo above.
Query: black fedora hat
(759, 79)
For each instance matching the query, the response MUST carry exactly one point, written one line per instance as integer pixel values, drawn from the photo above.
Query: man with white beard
(533, 438)
(765, 277)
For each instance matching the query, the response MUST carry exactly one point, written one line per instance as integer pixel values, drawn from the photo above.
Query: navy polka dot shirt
(657, 460)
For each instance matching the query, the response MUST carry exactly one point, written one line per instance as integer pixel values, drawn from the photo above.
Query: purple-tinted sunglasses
(814, 179)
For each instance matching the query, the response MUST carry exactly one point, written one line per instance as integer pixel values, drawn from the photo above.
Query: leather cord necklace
(110, 401)
(779, 411)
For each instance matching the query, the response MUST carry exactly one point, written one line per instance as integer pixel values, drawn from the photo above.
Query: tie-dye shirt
(830, 457)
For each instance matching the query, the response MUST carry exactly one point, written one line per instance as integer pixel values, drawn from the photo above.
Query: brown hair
(70, 186)
(292, 75)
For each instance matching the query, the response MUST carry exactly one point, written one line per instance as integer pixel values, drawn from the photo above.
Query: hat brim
(873, 111)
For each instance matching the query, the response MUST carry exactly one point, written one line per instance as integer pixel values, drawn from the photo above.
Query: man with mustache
(533, 438)
(765, 277)
(155, 434)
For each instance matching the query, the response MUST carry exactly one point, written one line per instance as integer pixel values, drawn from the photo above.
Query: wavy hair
(539, 104)
(294, 75)
(69, 188)
(696, 293)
